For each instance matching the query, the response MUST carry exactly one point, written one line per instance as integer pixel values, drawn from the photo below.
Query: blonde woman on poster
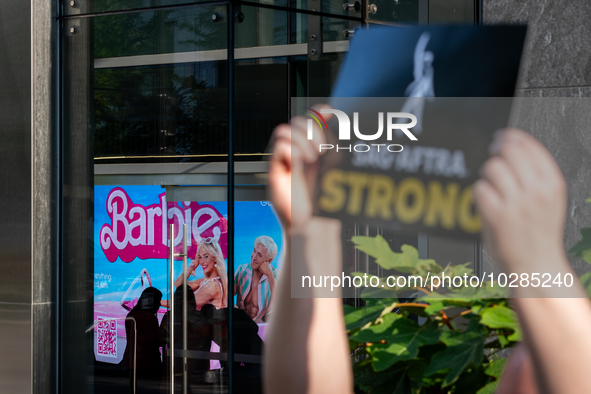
(213, 287)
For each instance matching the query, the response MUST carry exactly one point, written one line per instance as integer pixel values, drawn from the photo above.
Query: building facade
(121, 118)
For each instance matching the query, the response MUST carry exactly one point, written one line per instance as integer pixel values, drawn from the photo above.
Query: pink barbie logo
(139, 231)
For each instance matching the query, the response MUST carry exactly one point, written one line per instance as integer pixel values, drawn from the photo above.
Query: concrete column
(27, 227)
(556, 63)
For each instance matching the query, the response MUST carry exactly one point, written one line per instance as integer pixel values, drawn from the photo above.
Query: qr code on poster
(106, 337)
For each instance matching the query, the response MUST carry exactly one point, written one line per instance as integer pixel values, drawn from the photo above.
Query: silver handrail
(94, 324)
(171, 307)
(185, 377)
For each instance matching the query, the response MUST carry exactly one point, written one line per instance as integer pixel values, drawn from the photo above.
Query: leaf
(463, 349)
(435, 307)
(419, 311)
(477, 308)
(348, 309)
(417, 372)
(361, 316)
(488, 290)
(470, 380)
(427, 352)
(458, 270)
(381, 331)
(379, 292)
(502, 317)
(490, 388)
(395, 380)
(503, 341)
(429, 335)
(378, 248)
(407, 261)
(403, 337)
(495, 369)
(438, 302)
(427, 266)
(586, 281)
(399, 376)
(584, 244)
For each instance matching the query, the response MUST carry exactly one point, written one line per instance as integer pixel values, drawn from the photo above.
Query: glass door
(144, 110)
(196, 324)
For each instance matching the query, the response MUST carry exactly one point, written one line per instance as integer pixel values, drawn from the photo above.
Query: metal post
(185, 380)
(134, 355)
(478, 12)
(230, 256)
(171, 308)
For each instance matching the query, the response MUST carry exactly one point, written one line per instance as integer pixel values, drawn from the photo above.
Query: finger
(327, 116)
(516, 148)
(281, 132)
(488, 201)
(513, 151)
(318, 134)
(500, 176)
(538, 166)
(279, 139)
(530, 146)
(308, 150)
(282, 153)
(301, 138)
(543, 161)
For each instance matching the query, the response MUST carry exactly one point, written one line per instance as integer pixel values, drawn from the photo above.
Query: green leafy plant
(444, 341)
(583, 249)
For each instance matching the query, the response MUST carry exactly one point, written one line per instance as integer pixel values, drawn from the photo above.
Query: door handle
(171, 307)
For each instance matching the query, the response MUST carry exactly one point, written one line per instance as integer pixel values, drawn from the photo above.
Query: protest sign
(411, 119)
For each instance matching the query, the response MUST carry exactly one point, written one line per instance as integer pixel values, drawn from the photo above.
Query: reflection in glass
(200, 336)
(172, 112)
(97, 6)
(143, 342)
(262, 27)
(396, 11)
(158, 32)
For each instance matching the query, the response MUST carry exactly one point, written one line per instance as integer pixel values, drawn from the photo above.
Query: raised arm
(190, 271)
(306, 348)
(266, 270)
(522, 201)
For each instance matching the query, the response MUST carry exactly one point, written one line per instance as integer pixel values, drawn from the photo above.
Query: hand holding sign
(292, 172)
(521, 197)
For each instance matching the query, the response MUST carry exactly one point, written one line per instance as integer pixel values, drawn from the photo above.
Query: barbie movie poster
(131, 250)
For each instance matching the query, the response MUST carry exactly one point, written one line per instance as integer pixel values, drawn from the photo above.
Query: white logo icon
(422, 86)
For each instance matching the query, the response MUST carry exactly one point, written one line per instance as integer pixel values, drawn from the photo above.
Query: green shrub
(442, 354)
(394, 354)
